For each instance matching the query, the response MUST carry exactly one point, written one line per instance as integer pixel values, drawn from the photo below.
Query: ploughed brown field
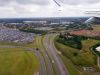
(88, 33)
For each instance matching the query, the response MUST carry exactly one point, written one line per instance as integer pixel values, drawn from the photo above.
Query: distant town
(10, 29)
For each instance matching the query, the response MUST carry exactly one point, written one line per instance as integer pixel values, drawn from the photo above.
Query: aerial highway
(53, 63)
(48, 64)
(42, 69)
(49, 43)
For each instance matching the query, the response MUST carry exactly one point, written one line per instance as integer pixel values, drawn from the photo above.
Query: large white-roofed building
(98, 49)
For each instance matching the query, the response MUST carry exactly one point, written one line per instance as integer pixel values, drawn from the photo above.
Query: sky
(47, 8)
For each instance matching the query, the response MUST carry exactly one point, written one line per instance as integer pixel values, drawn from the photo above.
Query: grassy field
(17, 61)
(75, 59)
(71, 68)
(96, 27)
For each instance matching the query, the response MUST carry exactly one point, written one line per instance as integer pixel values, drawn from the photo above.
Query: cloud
(47, 2)
(78, 2)
(36, 2)
(46, 8)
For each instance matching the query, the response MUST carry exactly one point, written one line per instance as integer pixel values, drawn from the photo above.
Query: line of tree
(31, 30)
(73, 41)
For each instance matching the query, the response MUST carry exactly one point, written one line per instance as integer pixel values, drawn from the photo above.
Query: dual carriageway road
(51, 62)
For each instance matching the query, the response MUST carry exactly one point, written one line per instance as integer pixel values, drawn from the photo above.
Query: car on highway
(37, 49)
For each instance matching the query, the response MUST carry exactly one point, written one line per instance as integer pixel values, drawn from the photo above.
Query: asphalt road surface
(49, 68)
(42, 69)
(49, 44)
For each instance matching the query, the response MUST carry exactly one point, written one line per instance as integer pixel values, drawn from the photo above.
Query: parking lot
(11, 35)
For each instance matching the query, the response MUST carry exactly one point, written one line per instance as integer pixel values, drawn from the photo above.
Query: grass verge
(78, 58)
(16, 61)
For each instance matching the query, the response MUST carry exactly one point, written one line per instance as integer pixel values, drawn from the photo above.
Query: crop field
(17, 61)
(96, 27)
(78, 58)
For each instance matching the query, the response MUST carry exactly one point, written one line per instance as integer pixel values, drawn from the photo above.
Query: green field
(75, 59)
(17, 61)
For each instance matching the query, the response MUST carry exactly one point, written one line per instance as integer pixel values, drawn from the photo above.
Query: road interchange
(49, 60)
